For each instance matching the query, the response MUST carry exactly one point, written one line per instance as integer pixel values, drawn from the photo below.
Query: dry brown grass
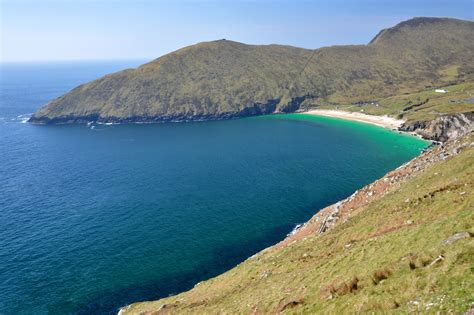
(380, 275)
(344, 288)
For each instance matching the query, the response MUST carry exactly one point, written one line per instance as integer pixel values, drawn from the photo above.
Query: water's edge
(325, 211)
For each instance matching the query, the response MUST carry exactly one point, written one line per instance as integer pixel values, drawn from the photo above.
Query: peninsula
(226, 79)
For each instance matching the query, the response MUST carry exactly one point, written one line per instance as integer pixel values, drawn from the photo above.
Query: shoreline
(339, 212)
(380, 121)
(334, 215)
(328, 217)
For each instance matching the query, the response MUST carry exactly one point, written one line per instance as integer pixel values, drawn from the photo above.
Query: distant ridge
(224, 79)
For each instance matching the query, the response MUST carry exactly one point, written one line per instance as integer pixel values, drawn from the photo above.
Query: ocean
(94, 219)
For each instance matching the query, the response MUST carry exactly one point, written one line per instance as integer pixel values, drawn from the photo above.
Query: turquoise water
(91, 220)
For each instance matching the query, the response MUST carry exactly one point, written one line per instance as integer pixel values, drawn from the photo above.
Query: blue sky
(143, 29)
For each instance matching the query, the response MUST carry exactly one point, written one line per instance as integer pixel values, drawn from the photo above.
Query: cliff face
(224, 79)
(443, 128)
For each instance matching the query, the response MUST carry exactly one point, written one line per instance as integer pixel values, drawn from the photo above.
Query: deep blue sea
(94, 219)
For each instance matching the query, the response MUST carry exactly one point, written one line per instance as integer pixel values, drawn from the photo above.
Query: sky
(60, 30)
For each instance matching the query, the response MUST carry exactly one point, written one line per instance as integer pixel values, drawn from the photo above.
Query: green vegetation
(223, 79)
(417, 106)
(395, 254)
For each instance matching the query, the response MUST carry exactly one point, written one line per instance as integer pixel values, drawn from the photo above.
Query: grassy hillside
(422, 105)
(224, 79)
(404, 243)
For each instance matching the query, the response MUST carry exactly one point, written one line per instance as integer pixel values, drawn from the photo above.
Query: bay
(94, 219)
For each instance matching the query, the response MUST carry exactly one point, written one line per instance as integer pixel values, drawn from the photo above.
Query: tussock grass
(380, 275)
(343, 288)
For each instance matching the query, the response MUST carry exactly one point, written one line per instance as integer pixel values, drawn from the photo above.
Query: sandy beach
(382, 121)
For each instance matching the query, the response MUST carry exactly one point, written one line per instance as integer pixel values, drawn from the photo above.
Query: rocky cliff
(443, 128)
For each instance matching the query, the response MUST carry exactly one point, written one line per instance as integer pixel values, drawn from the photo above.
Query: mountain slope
(402, 244)
(223, 79)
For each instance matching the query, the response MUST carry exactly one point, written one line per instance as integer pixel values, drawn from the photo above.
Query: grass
(388, 268)
(423, 105)
(380, 275)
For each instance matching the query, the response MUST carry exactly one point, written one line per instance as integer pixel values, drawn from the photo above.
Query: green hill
(223, 79)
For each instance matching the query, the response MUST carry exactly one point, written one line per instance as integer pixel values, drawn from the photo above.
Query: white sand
(382, 121)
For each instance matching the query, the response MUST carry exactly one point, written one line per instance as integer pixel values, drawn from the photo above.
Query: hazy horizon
(113, 30)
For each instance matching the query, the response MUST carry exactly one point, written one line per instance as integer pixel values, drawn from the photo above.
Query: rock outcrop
(443, 128)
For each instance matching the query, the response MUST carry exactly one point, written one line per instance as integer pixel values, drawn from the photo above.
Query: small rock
(162, 307)
(265, 274)
(409, 222)
(437, 260)
(407, 200)
(456, 237)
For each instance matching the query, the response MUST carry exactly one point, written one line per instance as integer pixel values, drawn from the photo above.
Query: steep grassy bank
(403, 243)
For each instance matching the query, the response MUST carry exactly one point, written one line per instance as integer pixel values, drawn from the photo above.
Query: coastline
(327, 217)
(324, 219)
(381, 121)
(344, 214)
